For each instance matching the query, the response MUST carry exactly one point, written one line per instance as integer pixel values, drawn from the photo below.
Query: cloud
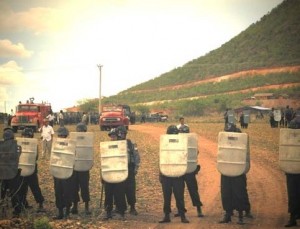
(10, 74)
(8, 50)
(38, 20)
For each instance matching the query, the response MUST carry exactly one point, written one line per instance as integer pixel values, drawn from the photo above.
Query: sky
(52, 49)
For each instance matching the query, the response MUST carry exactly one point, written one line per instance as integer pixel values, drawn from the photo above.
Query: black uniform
(192, 185)
(81, 182)
(234, 193)
(115, 192)
(63, 188)
(130, 182)
(32, 181)
(14, 187)
(173, 185)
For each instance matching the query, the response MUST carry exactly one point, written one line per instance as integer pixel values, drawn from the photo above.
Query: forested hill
(271, 42)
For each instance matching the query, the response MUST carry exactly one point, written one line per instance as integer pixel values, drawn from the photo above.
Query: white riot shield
(277, 115)
(231, 118)
(233, 157)
(192, 149)
(114, 161)
(84, 158)
(173, 155)
(9, 159)
(289, 150)
(27, 160)
(246, 116)
(62, 158)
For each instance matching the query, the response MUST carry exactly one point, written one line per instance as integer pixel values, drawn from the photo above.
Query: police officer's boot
(67, 212)
(248, 214)
(74, 209)
(133, 210)
(86, 208)
(166, 219)
(108, 215)
(60, 214)
(40, 208)
(199, 211)
(183, 218)
(227, 218)
(292, 222)
(241, 222)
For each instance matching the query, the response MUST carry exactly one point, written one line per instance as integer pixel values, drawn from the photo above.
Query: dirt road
(266, 188)
(266, 184)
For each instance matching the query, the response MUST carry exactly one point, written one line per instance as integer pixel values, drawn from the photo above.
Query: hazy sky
(50, 49)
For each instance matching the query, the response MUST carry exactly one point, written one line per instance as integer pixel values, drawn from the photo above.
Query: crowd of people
(121, 195)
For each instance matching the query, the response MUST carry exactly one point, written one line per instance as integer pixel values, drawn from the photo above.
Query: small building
(264, 96)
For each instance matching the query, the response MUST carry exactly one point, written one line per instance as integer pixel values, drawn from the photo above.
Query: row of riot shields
(178, 155)
(74, 153)
(232, 119)
(68, 154)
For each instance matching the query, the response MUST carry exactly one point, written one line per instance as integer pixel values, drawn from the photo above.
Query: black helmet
(113, 132)
(8, 134)
(231, 127)
(27, 132)
(121, 132)
(62, 132)
(172, 130)
(184, 129)
(81, 127)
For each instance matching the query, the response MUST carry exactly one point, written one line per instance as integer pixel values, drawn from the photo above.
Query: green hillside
(271, 42)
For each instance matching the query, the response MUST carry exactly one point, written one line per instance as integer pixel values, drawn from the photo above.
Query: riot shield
(9, 159)
(246, 116)
(114, 161)
(62, 158)
(27, 160)
(84, 150)
(277, 115)
(192, 149)
(289, 150)
(233, 158)
(173, 155)
(231, 117)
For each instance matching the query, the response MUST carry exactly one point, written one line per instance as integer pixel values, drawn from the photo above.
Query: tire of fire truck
(102, 128)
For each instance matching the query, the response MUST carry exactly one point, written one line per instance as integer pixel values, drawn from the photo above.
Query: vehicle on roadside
(30, 115)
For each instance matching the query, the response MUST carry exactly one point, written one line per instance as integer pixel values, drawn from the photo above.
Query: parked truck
(113, 116)
(30, 115)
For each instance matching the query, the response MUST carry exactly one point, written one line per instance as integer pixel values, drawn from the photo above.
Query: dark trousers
(130, 188)
(16, 192)
(173, 185)
(64, 192)
(115, 194)
(32, 182)
(234, 193)
(192, 185)
(293, 190)
(81, 180)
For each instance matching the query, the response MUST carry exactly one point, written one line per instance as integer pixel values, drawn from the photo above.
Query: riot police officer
(81, 179)
(191, 181)
(173, 185)
(234, 193)
(114, 192)
(32, 181)
(64, 188)
(13, 187)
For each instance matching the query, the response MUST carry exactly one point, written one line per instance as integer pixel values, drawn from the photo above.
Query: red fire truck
(113, 116)
(30, 114)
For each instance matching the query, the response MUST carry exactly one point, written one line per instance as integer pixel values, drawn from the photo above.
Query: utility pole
(100, 68)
